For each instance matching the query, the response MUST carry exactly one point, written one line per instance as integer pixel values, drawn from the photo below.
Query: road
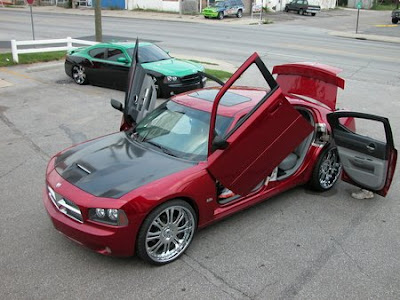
(299, 245)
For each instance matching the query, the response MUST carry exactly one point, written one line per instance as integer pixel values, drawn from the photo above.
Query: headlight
(169, 79)
(110, 216)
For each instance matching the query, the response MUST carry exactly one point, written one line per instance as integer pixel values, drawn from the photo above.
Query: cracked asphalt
(297, 245)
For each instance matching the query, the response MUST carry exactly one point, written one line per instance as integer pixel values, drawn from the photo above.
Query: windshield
(150, 53)
(218, 4)
(179, 130)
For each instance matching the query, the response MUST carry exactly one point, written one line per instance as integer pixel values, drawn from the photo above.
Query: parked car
(220, 9)
(302, 7)
(147, 189)
(395, 16)
(107, 64)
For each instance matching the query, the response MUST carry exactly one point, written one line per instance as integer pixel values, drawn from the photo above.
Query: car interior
(285, 169)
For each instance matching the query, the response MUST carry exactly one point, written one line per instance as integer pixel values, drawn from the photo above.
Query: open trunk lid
(314, 80)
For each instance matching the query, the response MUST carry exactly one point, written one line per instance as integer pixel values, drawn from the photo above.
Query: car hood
(114, 165)
(173, 67)
(211, 8)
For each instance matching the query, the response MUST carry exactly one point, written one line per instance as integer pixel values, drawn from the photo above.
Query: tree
(97, 21)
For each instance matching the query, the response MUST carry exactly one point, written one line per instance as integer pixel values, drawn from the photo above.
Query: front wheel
(301, 11)
(166, 232)
(220, 15)
(327, 170)
(79, 74)
(286, 9)
(395, 20)
(313, 14)
(239, 13)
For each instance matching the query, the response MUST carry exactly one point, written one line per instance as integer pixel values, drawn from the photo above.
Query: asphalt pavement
(343, 22)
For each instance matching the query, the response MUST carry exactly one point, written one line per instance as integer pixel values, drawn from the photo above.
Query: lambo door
(247, 154)
(367, 154)
(141, 94)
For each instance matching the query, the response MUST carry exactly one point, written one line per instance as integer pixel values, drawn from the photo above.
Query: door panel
(367, 162)
(259, 142)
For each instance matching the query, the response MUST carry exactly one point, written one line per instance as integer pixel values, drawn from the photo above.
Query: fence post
(14, 50)
(69, 43)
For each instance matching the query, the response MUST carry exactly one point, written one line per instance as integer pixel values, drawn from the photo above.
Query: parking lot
(298, 245)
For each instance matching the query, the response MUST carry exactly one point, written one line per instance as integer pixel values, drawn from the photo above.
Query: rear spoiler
(313, 80)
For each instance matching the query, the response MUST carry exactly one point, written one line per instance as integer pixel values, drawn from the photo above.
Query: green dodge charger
(107, 64)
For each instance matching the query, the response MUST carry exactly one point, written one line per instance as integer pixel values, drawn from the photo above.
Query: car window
(98, 53)
(179, 130)
(113, 54)
(150, 53)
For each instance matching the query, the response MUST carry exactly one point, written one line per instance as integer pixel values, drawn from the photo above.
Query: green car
(107, 64)
(220, 9)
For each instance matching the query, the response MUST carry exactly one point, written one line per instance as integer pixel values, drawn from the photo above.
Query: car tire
(206, 17)
(79, 74)
(313, 14)
(395, 20)
(301, 12)
(327, 170)
(286, 9)
(166, 232)
(239, 13)
(220, 15)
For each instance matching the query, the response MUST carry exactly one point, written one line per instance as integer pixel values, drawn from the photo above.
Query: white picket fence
(69, 42)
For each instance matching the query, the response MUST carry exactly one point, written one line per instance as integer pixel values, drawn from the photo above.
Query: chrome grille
(65, 206)
(191, 79)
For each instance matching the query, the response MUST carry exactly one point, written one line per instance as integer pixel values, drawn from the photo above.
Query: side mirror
(123, 60)
(117, 105)
(219, 143)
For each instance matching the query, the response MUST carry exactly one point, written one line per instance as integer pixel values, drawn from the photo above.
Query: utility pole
(97, 21)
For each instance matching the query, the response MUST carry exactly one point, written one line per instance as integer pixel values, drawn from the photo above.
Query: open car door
(260, 141)
(367, 162)
(141, 95)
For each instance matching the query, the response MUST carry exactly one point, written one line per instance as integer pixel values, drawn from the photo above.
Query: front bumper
(210, 14)
(169, 89)
(104, 239)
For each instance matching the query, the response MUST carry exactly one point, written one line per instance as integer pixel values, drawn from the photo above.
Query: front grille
(67, 207)
(191, 79)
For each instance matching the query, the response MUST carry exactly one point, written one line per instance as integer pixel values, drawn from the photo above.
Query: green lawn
(384, 7)
(6, 58)
(220, 74)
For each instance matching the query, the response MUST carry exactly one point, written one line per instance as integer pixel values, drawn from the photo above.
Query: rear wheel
(327, 170)
(313, 14)
(239, 13)
(220, 15)
(287, 9)
(395, 20)
(79, 74)
(166, 232)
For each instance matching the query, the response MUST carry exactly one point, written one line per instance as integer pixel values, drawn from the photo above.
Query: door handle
(371, 147)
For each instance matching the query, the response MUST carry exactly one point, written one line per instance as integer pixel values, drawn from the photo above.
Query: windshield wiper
(163, 149)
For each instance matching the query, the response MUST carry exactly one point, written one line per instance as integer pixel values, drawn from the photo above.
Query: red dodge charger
(206, 154)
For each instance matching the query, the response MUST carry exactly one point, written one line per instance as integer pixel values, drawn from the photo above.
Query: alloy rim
(79, 74)
(169, 234)
(330, 169)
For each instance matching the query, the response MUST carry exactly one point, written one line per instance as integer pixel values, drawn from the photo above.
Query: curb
(369, 37)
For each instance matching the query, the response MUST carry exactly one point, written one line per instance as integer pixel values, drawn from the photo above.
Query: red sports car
(206, 154)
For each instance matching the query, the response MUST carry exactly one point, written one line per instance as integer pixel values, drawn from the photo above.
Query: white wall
(154, 4)
(280, 4)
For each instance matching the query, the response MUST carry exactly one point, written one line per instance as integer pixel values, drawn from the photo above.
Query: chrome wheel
(78, 74)
(167, 232)
(330, 169)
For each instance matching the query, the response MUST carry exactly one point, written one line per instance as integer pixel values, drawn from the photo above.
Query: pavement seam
(293, 289)
(18, 132)
(214, 279)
